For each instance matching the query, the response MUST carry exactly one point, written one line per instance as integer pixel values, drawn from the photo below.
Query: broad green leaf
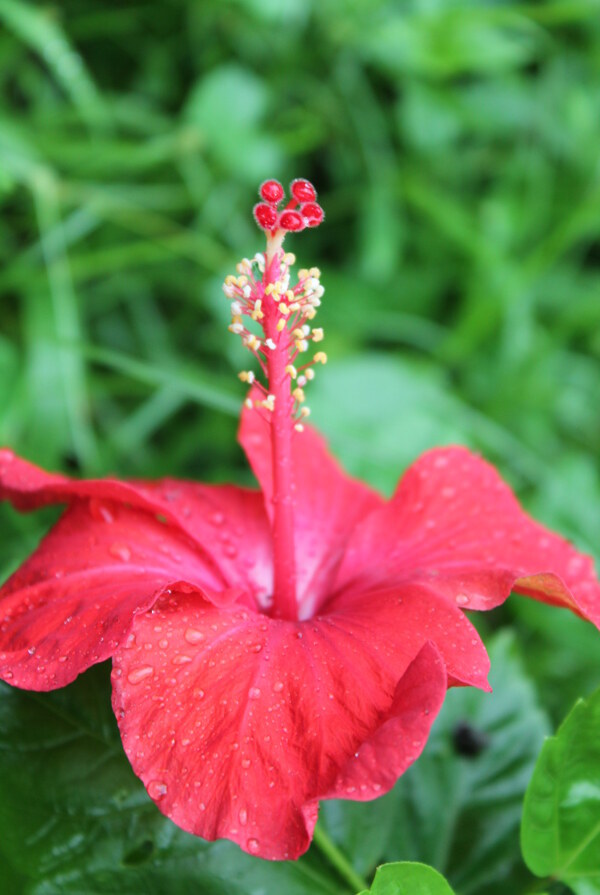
(458, 808)
(408, 879)
(560, 833)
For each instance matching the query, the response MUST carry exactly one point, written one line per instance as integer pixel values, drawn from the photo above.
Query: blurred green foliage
(455, 147)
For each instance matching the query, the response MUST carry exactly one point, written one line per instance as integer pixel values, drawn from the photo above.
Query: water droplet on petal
(278, 686)
(138, 674)
(120, 551)
(254, 693)
(163, 643)
(462, 599)
(181, 660)
(253, 846)
(157, 789)
(217, 518)
(245, 762)
(192, 635)
(31, 650)
(243, 816)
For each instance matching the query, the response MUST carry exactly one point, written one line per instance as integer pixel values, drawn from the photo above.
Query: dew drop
(243, 816)
(157, 790)
(181, 660)
(278, 686)
(253, 846)
(245, 762)
(217, 518)
(120, 551)
(163, 643)
(256, 648)
(31, 650)
(138, 674)
(462, 599)
(198, 693)
(254, 693)
(192, 635)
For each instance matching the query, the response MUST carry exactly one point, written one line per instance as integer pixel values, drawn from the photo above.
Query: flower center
(273, 317)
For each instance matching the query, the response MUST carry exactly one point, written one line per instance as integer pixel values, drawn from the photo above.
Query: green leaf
(560, 833)
(408, 879)
(456, 811)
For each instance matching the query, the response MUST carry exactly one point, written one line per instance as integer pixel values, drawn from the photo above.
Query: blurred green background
(455, 146)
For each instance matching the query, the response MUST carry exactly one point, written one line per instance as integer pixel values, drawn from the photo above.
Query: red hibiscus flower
(273, 648)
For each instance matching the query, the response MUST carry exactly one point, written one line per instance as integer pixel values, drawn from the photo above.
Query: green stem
(338, 860)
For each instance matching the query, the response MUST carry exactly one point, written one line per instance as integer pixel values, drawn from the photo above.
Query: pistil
(263, 294)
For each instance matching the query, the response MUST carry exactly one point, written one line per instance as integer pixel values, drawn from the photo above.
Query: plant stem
(338, 860)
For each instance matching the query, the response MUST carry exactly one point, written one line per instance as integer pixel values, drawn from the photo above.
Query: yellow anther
(315, 272)
(257, 314)
(290, 295)
(242, 281)
(289, 258)
(253, 343)
(304, 412)
(236, 328)
(320, 357)
(243, 376)
(269, 402)
(298, 333)
(302, 345)
(291, 371)
(295, 306)
(283, 309)
(303, 274)
(280, 325)
(310, 374)
(299, 427)
(236, 318)
(230, 280)
(317, 334)
(298, 394)
(269, 288)
(248, 403)
(247, 376)
(310, 313)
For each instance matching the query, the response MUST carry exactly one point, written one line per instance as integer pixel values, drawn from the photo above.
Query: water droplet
(31, 650)
(253, 846)
(217, 518)
(100, 511)
(462, 599)
(254, 693)
(192, 635)
(256, 648)
(62, 658)
(157, 790)
(243, 816)
(163, 643)
(181, 660)
(198, 693)
(138, 674)
(245, 762)
(278, 686)
(120, 551)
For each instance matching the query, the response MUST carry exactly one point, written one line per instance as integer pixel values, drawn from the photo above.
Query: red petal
(238, 724)
(401, 738)
(329, 503)
(227, 524)
(73, 600)
(456, 525)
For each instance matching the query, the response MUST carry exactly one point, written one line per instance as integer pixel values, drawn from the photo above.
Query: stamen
(281, 312)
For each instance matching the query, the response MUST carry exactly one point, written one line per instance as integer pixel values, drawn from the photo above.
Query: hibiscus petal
(238, 724)
(455, 524)
(406, 617)
(401, 738)
(226, 523)
(73, 600)
(328, 503)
